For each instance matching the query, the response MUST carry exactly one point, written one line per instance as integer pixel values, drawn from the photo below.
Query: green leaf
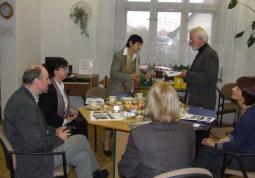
(232, 4)
(253, 25)
(238, 35)
(251, 41)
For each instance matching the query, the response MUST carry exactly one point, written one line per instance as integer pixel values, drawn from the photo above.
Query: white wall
(61, 37)
(20, 46)
(244, 56)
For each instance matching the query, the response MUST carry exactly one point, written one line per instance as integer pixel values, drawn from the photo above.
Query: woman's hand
(73, 115)
(183, 74)
(73, 112)
(209, 142)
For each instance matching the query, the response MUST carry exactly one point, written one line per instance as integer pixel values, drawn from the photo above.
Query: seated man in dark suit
(26, 128)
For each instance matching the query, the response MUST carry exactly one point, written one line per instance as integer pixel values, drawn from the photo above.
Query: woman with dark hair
(163, 145)
(124, 75)
(125, 67)
(55, 104)
(241, 139)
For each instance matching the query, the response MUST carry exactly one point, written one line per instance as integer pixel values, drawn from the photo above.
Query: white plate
(127, 99)
(97, 107)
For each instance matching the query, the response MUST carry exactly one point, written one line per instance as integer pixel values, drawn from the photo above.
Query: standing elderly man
(26, 128)
(203, 74)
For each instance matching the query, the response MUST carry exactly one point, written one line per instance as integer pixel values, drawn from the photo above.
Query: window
(164, 26)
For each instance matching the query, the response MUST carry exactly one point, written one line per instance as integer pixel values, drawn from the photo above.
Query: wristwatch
(6, 10)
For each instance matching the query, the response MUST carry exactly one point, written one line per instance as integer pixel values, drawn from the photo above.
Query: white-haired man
(203, 73)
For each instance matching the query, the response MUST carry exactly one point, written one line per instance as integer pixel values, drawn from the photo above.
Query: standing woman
(124, 75)
(125, 67)
(55, 104)
(241, 139)
(163, 145)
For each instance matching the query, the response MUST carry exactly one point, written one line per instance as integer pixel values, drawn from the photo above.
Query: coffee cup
(93, 104)
(139, 95)
(112, 99)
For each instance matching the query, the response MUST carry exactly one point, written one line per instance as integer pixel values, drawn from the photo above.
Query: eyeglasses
(65, 68)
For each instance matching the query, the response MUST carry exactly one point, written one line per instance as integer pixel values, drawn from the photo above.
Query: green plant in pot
(80, 17)
(250, 28)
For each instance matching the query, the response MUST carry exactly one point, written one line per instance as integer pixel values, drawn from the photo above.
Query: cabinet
(77, 84)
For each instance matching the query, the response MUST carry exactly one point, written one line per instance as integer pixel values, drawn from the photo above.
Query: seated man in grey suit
(26, 128)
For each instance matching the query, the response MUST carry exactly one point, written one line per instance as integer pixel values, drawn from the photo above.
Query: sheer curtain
(167, 41)
(225, 46)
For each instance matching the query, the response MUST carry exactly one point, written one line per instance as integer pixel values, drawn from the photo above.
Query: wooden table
(121, 133)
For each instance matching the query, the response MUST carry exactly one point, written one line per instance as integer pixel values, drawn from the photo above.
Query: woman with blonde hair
(163, 145)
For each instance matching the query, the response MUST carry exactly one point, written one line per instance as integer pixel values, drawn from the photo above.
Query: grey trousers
(79, 155)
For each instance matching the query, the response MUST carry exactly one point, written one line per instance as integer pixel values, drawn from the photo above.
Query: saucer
(96, 107)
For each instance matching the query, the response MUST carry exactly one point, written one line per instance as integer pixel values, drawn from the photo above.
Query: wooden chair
(220, 132)
(10, 157)
(105, 81)
(186, 173)
(228, 156)
(225, 104)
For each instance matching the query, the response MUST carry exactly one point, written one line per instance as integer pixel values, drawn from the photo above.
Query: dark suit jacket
(156, 148)
(48, 103)
(25, 127)
(202, 79)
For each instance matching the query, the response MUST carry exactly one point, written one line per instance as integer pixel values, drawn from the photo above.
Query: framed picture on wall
(6, 10)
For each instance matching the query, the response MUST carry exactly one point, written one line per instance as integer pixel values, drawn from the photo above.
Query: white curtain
(225, 44)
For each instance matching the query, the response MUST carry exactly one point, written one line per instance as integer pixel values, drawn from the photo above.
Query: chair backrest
(11, 164)
(97, 92)
(7, 147)
(186, 173)
(105, 81)
(226, 90)
(238, 157)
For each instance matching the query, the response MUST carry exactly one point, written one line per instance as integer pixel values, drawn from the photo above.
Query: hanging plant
(80, 13)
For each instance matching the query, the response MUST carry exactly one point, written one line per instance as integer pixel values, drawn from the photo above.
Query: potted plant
(250, 28)
(80, 16)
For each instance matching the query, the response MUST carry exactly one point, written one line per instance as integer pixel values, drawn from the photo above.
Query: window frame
(123, 6)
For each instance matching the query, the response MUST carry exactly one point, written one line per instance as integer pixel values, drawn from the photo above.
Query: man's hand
(63, 133)
(183, 74)
(209, 142)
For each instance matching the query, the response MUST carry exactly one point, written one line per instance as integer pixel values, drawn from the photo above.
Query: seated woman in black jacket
(55, 104)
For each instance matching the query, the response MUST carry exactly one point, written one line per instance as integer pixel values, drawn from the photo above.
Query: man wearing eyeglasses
(203, 74)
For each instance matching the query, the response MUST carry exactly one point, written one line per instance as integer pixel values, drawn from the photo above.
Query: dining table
(121, 129)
